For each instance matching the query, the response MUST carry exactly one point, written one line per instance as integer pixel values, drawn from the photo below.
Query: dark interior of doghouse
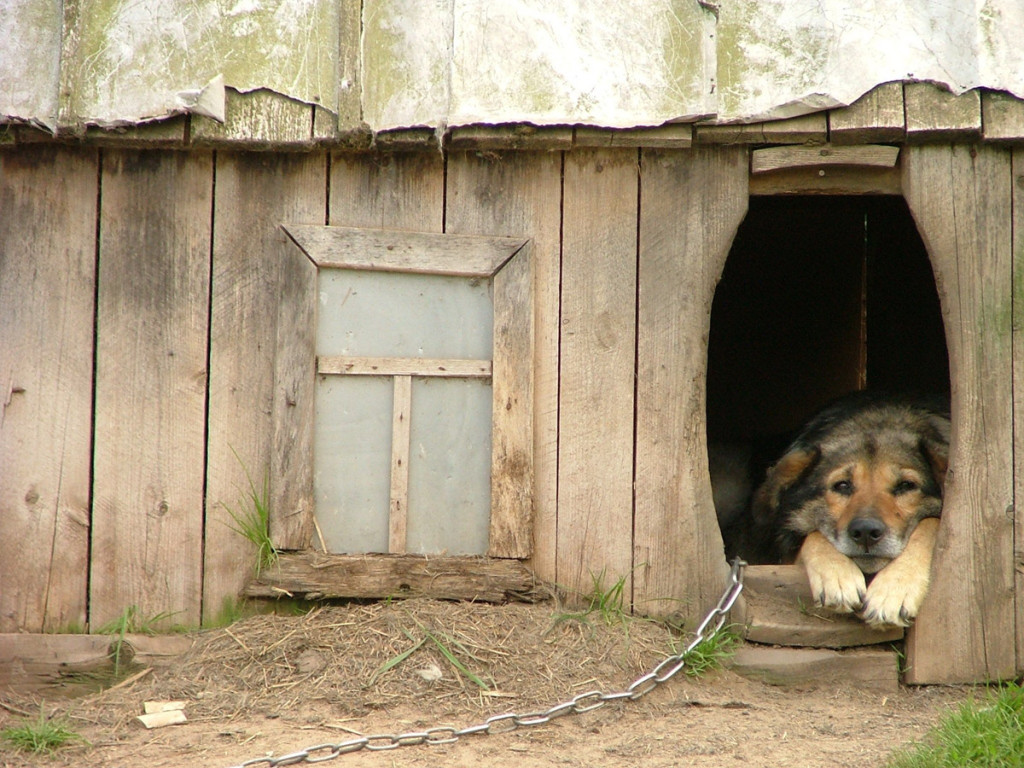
(820, 296)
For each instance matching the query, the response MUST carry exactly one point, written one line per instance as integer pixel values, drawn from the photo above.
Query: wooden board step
(778, 610)
(873, 668)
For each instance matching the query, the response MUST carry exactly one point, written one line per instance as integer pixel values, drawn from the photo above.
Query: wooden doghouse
(159, 350)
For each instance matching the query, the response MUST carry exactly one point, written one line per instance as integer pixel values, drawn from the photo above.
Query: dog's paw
(837, 585)
(894, 598)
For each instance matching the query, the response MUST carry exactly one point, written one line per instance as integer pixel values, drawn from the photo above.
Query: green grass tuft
(981, 734)
(133, 622)
(609, 603)
(712, 653)
(40, 735)
(252, 520)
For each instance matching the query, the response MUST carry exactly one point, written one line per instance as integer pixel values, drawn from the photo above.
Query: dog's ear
(935, 448)
(786, 473)
(937, 454)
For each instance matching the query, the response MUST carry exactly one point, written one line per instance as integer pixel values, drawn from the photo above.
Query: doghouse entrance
(820, 296)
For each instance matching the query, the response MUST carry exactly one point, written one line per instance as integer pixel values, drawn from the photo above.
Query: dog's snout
(866, 531)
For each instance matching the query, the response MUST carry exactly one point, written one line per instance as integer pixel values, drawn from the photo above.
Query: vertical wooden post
(595, 452)
(153, 300)
(960, 197)
(47, 281)
(691, 204)
(398, 517)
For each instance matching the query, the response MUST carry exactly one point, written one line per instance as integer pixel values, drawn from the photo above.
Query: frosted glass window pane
(450, 467)
(352, 461)
(395, 314)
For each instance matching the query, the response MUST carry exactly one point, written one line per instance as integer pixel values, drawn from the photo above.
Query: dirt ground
(273, 685)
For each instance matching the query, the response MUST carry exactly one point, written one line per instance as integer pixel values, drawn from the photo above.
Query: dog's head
(864, 476)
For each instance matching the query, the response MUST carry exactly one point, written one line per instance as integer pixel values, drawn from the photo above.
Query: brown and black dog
(858, 494)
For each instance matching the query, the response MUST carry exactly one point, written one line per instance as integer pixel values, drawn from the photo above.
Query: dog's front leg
(896, 593)
(836, 582)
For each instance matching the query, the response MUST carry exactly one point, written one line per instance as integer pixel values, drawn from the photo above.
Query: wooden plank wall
(182, 254)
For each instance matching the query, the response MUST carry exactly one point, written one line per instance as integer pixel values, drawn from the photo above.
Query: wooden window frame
(507, 262)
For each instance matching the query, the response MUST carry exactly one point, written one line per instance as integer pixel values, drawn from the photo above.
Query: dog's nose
(866, 531)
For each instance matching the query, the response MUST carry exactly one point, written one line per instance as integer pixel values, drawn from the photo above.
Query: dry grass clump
(451, 659)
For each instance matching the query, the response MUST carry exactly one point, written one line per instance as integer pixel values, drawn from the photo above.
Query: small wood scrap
(160, 714)
(779, 610)
(315, 576)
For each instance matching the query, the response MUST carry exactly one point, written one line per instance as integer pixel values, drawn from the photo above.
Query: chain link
(510, 721)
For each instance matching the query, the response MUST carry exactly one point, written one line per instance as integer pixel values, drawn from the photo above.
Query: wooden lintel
(394, 251)
(403, 366)
(835, 180)
(779, 158)
(314, 576)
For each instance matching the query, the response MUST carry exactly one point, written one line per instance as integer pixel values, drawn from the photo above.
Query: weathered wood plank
(960, 198)
(595, 450)
(349, 63)
(398, 516)
(934, 113)
(1017, 160)
(48, 663)
(403, 366)
(1002, 116)
(779, 610)
(390, 251)
(505, 137)
(260, 119)
(152, 322)
(520, 193)
(778, 158)
(249, 254)
(877, 116)
(170, 134)
(399, 190)
(692, 204)
(674, 136)
(315, 576)
(807, 129)
(511, 533)
(294, 400)
(47, 280)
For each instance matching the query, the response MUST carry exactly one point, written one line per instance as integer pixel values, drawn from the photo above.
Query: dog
(856, 499)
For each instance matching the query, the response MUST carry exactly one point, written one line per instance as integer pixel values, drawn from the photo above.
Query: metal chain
(584, 702)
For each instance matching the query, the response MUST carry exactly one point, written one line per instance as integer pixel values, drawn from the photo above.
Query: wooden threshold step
(778, 610)
(865, 668)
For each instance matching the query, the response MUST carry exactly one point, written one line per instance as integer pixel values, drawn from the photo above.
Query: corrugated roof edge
(911, 112)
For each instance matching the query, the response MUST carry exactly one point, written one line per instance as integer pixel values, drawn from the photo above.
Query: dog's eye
(904, 486)
(843, 487)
